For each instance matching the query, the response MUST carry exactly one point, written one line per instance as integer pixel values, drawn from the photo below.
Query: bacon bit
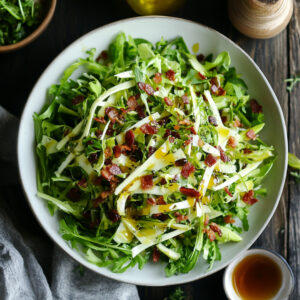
(226, 189)
(98, 133)
(108, 161)
(93, 158)
(175, 134)
(176, 127)
(106, 174)
(255, 107)
(187, 142)
(189, 192)
(237, 123)
(67, 131)
(171, 139)
(151, 150)
(151, 201)
(140, 111)
(223, 155)
(112, 113)
(103, 55)
(160, 200)
(117, 151)
(148, 129)
(168, 101)
(228, 219)
(200, 58)
(221, 92)
(100, 120)
(155, 255)
(248, 198)
(114, 216)
(251, 134)
(224, 119)
(210, 160)
(125, 148)
(78, 99)
(98, 201)
(82, 183)
(187, 170)
(185, 99)
(214, 227)
(163, 181)
(185, 123)
(157, 78)
(212, 120)
(146, 88)
(210, 234)
(180, 162)
(160, 216)
(74, 194)
(146, 182)
(132, 103)
(167, 133)
(192, 130)
(247, 151)
(170, 75)
(97, 181)
(114, 169)
(108, 152)
(201, 76)
(206, 221)
(232, 142)
(129, 138)
(180, 217)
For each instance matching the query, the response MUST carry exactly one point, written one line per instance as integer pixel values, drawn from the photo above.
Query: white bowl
(210, 41)
(286, 271)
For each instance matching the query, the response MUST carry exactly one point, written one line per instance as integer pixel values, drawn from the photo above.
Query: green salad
(149, 153)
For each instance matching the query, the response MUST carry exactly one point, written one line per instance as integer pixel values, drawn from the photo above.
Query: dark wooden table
(279, 58)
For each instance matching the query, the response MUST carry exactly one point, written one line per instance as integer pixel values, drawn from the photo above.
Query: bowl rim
(111, 275)
(32, 36)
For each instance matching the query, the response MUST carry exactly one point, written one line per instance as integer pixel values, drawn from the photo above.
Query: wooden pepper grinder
(260, 19)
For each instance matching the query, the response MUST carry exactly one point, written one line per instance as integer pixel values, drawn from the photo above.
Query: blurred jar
(155, 7)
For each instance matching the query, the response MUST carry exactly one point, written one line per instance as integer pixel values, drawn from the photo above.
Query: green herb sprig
(291, 82)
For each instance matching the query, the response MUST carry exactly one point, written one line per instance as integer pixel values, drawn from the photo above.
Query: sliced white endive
(120, 138)
(226, 168)
(197, 66)
(169, 252)
(64, 164)
(75, 131)
(126, 74)
(84, 163)
(213, 107)
(121, 203)
(164, 208)
(50, 144)
(110, 101)
(238, 176)
(244, 186)
(139, 248)
(205, 180)
(155, 190)
(150, 163)
(123, 235)
(195, 109)
(145, 236)
(210, 149)
(122, 86)
(104, 131)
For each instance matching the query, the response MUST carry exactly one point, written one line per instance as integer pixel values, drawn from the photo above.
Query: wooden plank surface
(278, 58)
(294, 147)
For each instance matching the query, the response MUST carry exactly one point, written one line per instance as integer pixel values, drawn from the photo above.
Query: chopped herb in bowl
(18, 19)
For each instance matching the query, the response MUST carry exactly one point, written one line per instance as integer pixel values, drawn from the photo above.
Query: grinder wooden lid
(260, 18)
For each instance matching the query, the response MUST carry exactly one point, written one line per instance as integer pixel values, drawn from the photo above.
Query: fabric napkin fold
(21, 274)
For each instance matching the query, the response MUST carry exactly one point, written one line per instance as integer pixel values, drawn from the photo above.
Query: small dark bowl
(48, 8)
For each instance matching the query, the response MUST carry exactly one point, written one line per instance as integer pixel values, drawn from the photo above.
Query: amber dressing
(257, 277)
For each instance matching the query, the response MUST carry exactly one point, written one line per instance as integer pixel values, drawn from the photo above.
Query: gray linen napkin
(21, 275)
